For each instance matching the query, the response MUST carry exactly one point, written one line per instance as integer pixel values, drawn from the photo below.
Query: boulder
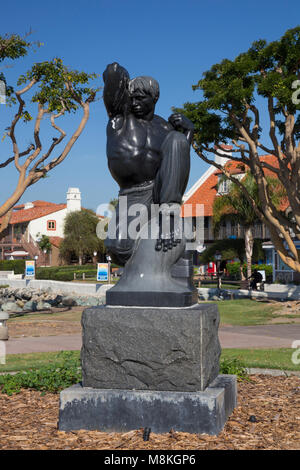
(11, 307)
(68, 301)
(30, 306)
(43, 306)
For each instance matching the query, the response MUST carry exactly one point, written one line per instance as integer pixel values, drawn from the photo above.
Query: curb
(250, 371)
(273, 372)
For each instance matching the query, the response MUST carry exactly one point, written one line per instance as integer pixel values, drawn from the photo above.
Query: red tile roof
(206, 193)
(40, 209)
(55, 241)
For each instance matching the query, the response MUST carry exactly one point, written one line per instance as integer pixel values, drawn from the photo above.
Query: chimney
(28, 205)
(220, 159)
(73, 200)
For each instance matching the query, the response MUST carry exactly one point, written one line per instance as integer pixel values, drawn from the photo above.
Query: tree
(80, 237)
(236, 207)
(14, 46)
(236, 93)
(58, 91)
(44, 243)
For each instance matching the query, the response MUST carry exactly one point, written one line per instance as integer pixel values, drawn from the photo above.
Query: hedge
(233, 270)
(16, 265)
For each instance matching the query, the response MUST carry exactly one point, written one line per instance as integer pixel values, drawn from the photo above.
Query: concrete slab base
(115, 410)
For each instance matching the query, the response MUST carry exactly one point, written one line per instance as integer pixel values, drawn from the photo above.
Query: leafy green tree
(44, 243)
(235, 206)
(80, 237)
(264, 79)
(12, 47)
(56, 90)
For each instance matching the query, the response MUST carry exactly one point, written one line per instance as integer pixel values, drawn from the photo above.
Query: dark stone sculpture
(144, 363)
(150, 160)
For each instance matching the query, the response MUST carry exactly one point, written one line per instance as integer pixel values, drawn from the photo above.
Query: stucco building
(31, 220)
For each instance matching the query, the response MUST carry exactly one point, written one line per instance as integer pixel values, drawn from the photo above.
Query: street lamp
(218, 257)
(95, 259)
(45, 252)
(108, 259)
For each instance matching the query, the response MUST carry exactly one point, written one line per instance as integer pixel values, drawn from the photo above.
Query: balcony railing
(8, 240)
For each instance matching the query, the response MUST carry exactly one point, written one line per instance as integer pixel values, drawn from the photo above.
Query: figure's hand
(181, 122)
(115, 69)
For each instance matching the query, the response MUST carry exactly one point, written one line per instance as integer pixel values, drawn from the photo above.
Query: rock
(150, 348)
(54, 300)
(91, 301)
(30, 306)
(43, 306)
(20, 303)
(26, 294)
(68, 301)
(215, 297)
(11, 307)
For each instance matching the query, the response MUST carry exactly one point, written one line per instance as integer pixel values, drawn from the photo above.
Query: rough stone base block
(165, 349)
(124, 410)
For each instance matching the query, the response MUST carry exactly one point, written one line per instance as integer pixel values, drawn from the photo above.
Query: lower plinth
(108, 410)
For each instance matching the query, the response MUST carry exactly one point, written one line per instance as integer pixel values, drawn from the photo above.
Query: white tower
(73, 200)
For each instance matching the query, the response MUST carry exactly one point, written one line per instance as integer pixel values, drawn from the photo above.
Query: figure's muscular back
(134, 148)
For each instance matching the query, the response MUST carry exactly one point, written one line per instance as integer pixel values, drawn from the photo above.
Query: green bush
(63, 276)
(52, 378)
(233, 270)
(54, 274)
(235, 367)
(268, 268)
(16, 265)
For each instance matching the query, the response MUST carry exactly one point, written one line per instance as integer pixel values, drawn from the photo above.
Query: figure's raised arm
(115, 94)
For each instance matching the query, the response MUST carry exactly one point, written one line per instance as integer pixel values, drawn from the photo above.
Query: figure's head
(144, 93)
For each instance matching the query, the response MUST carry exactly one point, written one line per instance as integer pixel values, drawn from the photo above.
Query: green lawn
(18, 362)
(245, 312)
(261, 358)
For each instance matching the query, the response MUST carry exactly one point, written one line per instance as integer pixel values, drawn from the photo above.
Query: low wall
(64, 287)
(289, 293)
(272, 291)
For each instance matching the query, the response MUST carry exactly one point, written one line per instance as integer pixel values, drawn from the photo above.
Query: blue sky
(174, 41)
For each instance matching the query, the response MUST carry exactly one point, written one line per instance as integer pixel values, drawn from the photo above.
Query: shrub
(63, 276)
(16, 265)
(52, 378)
(233, 270)
(234, 366)
(54, 274)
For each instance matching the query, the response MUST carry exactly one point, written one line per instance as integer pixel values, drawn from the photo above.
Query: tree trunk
(249, 241)
(80, 260)
(243, 278)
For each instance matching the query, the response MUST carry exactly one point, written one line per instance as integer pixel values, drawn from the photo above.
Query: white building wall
(40, 225)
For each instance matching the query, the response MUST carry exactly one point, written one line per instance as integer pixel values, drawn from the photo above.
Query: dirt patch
(29, 421)
(283, 312)
(43, 328)
(60, 322)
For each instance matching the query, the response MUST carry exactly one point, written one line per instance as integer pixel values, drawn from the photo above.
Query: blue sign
(30, 269)
(102, 272)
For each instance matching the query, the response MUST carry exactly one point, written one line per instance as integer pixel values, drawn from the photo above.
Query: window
(223, 185)
(51, 225)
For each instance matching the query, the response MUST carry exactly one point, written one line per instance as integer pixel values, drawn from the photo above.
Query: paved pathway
(265, 336)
